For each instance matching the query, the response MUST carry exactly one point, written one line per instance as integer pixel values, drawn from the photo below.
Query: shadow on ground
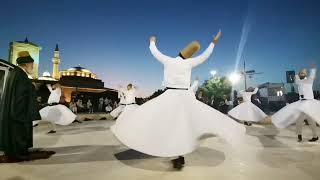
(89, 153)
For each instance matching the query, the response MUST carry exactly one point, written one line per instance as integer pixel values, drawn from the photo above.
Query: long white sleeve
(255, 90)
(157, 54)
(313, 72)
(201, 58)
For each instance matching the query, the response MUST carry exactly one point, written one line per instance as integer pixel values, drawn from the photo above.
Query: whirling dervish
(307, 108)
(247, 111)
(171, 124)
(129, 102)
(54, 112)
(117, 111)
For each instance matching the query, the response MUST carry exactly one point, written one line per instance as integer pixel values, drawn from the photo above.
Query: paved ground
(89, 151)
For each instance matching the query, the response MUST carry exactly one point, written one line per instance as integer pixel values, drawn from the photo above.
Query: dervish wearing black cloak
(18, 109)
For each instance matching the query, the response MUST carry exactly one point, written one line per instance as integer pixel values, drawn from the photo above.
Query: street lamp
(213, 73)
(249, 73)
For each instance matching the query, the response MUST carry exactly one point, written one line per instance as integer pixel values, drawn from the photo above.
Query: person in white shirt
(247, 111)
(171, 124)
(100, 104)
(108, 108)
(73, 106)
(90, 106)
(117, 111)
(307, 108)
(106, 101)
(56, 113)
(129, 103)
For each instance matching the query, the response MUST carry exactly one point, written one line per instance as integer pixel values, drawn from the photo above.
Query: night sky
(111, 37)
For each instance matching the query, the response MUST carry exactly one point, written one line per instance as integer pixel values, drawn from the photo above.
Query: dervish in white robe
(56, 113)
(307, 108)
(171, 124)
(247, 111)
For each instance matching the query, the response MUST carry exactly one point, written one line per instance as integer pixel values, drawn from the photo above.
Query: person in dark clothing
(18, 109)
(235, 99)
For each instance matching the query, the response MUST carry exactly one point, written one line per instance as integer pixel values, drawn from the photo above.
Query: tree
(218, 87)
(154, 95)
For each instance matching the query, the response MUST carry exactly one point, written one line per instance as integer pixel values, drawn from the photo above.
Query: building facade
(34, 50)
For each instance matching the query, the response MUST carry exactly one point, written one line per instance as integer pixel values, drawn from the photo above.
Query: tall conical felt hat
(24, 58)
(190, 49)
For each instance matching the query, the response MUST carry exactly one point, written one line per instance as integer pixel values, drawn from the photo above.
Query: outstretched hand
(153, 39)
(217, 37)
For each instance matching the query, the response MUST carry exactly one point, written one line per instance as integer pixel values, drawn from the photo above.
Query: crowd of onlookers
(90, 106)
(225, 103)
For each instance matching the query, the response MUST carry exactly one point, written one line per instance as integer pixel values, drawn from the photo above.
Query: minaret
(56, 62)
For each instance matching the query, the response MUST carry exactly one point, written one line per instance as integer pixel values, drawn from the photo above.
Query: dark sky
(111, 37)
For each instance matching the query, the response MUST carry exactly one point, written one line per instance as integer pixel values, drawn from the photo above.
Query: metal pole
(245, 75)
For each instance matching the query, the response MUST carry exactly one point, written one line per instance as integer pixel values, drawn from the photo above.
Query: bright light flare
(213, 73)
(234, 78)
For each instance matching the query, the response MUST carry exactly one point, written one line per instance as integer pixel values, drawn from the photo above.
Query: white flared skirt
(312, 109)
(288, 115)
(171, 125)
(117, 111)
(247, 111)
(57, 114)
(127, 110)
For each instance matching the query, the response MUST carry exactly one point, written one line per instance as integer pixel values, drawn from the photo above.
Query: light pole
(249, 73)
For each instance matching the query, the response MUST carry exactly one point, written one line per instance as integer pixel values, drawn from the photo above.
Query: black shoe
(299, 138)
(77, 121)
(181, 159)
(52, 132)
(35, 125)
(314, 139)
(177, 164)
(247, 123)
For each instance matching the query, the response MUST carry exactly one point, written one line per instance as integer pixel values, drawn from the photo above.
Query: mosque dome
(46, 74)
(78, 71)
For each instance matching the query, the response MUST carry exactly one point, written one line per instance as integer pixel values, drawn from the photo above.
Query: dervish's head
(189, 50)
(303, 73)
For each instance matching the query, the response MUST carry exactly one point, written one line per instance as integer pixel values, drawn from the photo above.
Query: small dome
(78, 68)
(46, 74)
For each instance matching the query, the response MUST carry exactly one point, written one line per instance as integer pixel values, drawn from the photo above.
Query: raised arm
(120, 92)
(156, 53)
(206, 54)
(255, 90)
(313, 72)
(201, 58)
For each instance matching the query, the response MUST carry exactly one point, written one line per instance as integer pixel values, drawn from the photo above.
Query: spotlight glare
(213, 73)
(234, 78)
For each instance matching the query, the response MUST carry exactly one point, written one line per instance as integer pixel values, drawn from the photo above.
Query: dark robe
(18, 108)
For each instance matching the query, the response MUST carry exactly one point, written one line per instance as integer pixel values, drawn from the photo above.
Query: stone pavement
(89, 151)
